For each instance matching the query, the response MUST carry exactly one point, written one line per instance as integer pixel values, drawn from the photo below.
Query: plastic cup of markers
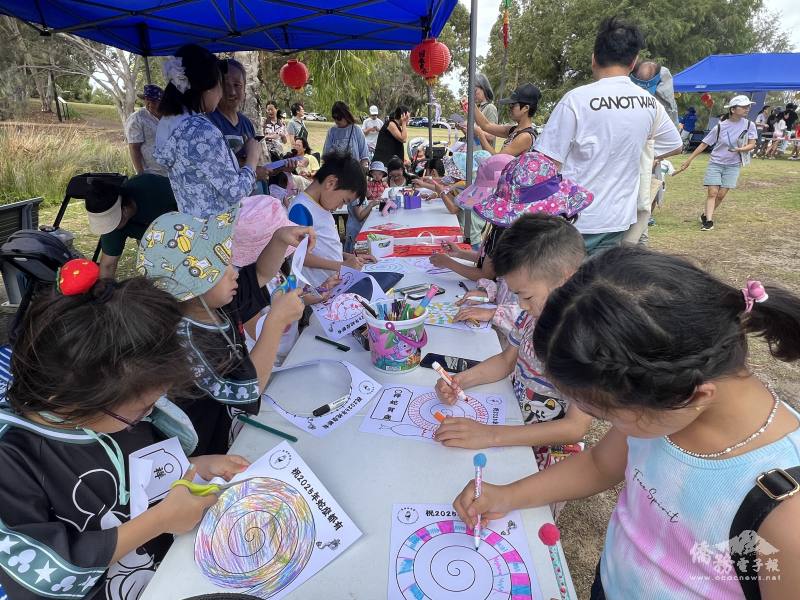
(396, 346)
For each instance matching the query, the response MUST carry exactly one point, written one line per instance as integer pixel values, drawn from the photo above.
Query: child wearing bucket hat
(191, 258)
(535, 255)
(358, 210)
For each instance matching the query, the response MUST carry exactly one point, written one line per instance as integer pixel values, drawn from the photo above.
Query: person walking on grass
(731, 141)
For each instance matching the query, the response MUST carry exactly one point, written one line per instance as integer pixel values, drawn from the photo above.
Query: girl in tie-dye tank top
(658, 348)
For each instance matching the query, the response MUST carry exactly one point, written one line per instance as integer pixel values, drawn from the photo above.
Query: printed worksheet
(274, 531)
(432, 555)
(408, 411)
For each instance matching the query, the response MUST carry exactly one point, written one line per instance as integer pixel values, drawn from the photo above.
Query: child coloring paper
(432, 555)
(269, 535)
(407, 411)
(362, 390)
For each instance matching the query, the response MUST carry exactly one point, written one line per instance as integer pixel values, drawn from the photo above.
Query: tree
(552, 40)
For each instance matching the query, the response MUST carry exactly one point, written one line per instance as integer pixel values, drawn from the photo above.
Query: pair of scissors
(289, 284)
(206, 489)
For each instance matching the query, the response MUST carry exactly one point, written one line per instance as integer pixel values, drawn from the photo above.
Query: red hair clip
(754, 292)
(77, 276)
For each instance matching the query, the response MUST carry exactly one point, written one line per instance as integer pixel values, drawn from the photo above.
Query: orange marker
(439, 416)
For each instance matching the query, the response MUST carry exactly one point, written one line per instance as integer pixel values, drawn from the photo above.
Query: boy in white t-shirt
(340, 180)
(597, 132)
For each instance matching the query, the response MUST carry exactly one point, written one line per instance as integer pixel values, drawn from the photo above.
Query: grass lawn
(755, 236)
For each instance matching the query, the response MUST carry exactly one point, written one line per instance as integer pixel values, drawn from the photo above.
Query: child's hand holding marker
(448, 388)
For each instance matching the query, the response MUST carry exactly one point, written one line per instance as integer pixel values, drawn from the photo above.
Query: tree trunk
(500, 92)
(252, 108)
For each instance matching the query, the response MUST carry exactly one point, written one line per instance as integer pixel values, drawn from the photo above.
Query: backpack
(33, 258)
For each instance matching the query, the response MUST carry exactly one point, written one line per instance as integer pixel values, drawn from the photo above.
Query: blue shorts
(722, 175)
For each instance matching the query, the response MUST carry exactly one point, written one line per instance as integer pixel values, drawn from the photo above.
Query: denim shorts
(722, 175)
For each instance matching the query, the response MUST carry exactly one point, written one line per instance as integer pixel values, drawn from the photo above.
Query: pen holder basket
(411, 199)
(380, 246)
(396, 346)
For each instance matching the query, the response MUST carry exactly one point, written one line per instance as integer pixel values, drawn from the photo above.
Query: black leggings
(597, 586)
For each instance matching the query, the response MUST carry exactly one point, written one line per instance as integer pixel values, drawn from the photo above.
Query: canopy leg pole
(429, 153)
(473, 43)
(147, 69)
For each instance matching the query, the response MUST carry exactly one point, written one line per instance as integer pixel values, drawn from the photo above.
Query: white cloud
(487, 15)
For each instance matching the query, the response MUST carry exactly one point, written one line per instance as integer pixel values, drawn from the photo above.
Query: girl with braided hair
(658, 347)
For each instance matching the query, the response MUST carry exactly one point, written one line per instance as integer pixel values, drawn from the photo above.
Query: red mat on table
(412, 232)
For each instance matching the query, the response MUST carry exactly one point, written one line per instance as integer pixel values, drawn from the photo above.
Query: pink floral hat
(259, 218)
(531, 183)
(485, 181)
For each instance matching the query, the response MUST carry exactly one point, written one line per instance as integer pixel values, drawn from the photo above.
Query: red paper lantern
(294, 74)
(430, 59)
(707, 100)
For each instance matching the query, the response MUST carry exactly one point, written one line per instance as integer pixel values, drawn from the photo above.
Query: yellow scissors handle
(197, 489)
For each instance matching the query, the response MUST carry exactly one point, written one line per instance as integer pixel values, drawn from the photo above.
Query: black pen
(324, 410)
(341, 347)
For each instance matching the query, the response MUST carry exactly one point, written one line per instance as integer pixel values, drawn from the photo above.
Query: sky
(488, 12)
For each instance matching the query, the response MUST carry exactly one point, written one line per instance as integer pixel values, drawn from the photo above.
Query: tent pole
(430, 122)
(473, 43)
(147, 69)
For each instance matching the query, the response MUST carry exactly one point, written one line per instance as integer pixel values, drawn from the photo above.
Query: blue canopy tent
(741, 72)
(159, 27)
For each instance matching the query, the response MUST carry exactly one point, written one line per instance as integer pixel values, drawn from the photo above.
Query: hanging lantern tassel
(294, 74)
(506, 27)
(430, 59)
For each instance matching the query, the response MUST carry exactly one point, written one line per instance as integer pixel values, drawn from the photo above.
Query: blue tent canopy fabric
(741, 72)
(160, 27)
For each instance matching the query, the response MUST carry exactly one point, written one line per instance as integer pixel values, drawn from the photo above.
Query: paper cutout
(267, 536)
(341, 313)
(441, 314)
(432, 555)
(408, 411)
(362, 389)
(152, 470)
(298, 260)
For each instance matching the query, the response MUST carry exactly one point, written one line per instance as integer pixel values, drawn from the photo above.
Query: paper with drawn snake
(407, 411)
(269, 535)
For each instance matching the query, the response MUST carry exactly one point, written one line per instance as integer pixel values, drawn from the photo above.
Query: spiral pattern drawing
(259, 535)
(439, 562)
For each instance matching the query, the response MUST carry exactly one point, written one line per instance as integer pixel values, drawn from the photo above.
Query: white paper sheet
(298, 260)
(441, 314)
(341, 313)
(407, 411)
(152, 470)
(362, 390)
(423, 265)
(267, 536)
(432, 555)
(391, 265)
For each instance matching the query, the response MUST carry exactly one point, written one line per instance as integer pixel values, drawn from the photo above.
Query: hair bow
(175, 74)
(754, 292)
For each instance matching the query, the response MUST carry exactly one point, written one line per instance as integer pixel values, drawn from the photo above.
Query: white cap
(373, 110)
(740, 100)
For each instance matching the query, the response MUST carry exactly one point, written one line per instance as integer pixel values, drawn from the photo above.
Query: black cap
(527, 93)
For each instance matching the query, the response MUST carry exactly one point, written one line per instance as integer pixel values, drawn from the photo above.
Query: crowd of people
(593, 325)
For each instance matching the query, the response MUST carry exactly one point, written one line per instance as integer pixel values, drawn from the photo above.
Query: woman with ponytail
(204, 173)
(707, 450)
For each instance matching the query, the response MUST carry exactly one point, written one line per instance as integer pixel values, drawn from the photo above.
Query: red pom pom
(549, 534)
(77, 276)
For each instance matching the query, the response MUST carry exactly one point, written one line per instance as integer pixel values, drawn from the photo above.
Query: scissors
(289, 284)
(206, 489)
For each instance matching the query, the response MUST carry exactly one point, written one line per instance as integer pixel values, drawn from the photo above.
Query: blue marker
(479, 460)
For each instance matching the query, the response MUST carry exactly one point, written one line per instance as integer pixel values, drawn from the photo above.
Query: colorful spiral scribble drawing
(258, 536)
(342, 308)
(438, 561)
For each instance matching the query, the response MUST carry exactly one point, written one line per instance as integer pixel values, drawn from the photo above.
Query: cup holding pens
(380, 246)
(396, 346)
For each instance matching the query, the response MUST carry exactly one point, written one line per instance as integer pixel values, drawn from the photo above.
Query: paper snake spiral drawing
(259, 535)
(438, 561)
